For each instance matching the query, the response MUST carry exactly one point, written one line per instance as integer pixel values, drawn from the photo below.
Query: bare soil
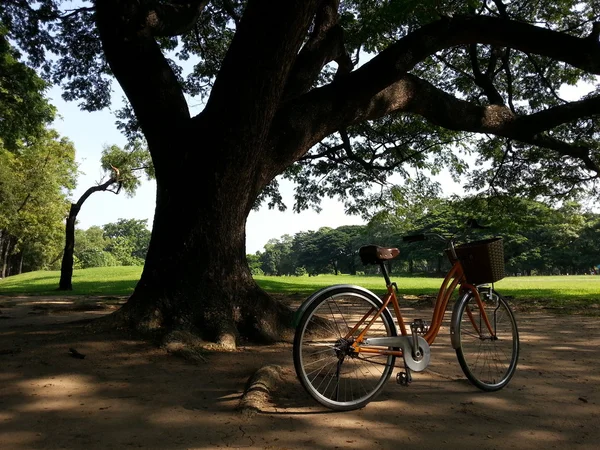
(130, 393)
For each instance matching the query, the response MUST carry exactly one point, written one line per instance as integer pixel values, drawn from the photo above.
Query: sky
(90, 132)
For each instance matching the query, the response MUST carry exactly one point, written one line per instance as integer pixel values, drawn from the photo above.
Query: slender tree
(123, 165)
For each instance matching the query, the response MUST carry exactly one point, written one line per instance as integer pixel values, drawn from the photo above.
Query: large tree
(280, 87)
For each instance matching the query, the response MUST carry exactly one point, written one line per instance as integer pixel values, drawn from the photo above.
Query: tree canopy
(489, 76)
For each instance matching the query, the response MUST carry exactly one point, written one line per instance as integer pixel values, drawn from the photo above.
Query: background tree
(24, 110)
(328, 250)
(278, 258)
(254, 264)
(122, 167)
(274, 90)
(128, 240)
(35, 180)
(90, 249)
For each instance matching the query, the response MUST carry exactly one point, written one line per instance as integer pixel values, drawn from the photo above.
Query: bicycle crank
(417, 361)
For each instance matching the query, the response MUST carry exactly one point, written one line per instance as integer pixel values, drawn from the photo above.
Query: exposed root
(187, 345)
(227, 341)
(258, 389)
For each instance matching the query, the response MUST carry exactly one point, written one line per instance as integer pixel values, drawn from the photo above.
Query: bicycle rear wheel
(489, 360)
(327, 368)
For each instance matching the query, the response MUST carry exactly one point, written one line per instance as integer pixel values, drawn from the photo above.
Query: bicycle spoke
(488, 360)
(327, 366)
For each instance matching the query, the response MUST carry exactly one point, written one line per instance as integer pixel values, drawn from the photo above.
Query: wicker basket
(482, 261)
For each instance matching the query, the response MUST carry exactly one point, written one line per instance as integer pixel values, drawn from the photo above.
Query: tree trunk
(6, 255)
(66, 268)
(210, 169)
(196, 276)
(2, 238)
(21, 256)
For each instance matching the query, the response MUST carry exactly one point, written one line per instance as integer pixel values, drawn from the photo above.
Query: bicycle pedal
(419, 326)
(403, 378)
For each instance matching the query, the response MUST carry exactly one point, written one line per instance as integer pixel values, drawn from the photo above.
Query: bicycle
(346, 342)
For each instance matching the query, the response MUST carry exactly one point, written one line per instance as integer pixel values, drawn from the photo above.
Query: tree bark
(66, 267)
(8, 244)
(196, 276)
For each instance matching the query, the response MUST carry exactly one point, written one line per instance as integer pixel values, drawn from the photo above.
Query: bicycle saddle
(373, 254)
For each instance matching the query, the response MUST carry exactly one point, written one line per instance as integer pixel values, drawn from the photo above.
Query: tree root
(258, 389)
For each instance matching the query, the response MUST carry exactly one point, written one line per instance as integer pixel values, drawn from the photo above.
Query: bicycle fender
(455, 320)
(327, 290)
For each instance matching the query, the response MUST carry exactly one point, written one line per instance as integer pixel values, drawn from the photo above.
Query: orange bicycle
(346, 341)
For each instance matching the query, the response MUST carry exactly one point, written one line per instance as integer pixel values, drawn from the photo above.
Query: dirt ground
(127, 393)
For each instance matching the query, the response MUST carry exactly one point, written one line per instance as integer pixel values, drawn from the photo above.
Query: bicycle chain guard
(420, 364)
(405, 343)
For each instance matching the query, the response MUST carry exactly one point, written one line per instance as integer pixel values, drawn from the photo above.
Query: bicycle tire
(348, 382)
(489, 362)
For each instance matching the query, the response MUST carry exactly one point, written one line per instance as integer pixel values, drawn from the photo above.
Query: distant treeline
(538, 239)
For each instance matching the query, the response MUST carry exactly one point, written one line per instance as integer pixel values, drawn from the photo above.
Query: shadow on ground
(127, 393)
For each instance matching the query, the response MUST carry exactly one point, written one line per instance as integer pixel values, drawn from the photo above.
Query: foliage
(123, 243)
(538, 239)
(35, 180)
(24, 110)
(130, 238)
(96, 258)
(127, 162)
(254, 264)
(347, 163)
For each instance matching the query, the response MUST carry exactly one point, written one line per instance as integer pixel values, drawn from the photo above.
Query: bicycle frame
(453, 278)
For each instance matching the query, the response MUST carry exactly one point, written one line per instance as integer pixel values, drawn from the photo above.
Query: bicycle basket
(482, 261)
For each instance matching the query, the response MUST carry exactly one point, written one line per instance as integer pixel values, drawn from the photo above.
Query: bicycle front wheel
(487, 356)
(327, 368)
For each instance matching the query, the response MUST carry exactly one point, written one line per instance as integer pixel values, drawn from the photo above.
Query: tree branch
(73, 12)
(143, 72)
(325, 44)
(256, 67)
(382, 85)
(553, 117)
(174, 18)
(101, 187)
(484, 80)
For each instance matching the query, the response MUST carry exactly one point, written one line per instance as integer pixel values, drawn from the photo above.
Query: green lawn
(93, 281)
(578, 290)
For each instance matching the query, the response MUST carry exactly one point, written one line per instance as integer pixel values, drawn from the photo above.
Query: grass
(553, 291)
(94, 281)
(572, 291)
